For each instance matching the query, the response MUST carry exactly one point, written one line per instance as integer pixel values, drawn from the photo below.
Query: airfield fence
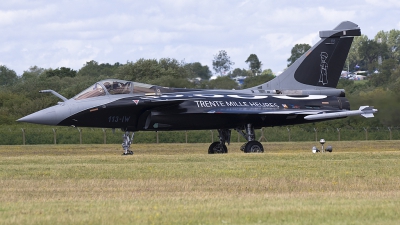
(69, 135)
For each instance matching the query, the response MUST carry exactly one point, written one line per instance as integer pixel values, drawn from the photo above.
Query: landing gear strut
(252, 146)
(219, 147)
(126, 143)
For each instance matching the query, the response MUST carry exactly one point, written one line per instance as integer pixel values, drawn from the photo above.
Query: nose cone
(45, 116)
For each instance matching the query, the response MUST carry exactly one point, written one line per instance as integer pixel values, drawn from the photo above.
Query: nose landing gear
(126, 143)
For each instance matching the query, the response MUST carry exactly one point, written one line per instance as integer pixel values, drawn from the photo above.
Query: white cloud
(292, 15)
(140, 37)
(333, 15)
(278, 41)
(8, 48)
(52, 33)
(195, 26)
(71, 46)
(310, 39)
(15, 17)
(384, 3)
(243, 3)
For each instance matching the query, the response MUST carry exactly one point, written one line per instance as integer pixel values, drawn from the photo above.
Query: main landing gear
(126, 143)
(219, 147)
(252, 146)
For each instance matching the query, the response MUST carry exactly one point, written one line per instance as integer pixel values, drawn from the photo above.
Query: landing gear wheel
(126, 143)
(242, 147)
(217, 148)
(129, 152)
(253, 147)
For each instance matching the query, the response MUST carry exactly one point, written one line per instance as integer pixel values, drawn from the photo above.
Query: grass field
(359, 183)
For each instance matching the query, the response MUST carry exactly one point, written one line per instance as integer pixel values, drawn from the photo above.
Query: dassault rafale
(305, 92)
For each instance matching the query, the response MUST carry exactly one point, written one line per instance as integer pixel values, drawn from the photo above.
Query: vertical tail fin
(319, 69)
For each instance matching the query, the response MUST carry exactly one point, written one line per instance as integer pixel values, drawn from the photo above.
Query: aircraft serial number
(119, 119)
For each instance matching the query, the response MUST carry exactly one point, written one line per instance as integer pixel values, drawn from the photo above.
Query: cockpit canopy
(114, 87)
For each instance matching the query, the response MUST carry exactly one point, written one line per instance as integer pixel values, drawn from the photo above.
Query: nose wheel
(126, 143)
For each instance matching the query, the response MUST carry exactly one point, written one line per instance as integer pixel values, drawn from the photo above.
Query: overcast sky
(52, 34)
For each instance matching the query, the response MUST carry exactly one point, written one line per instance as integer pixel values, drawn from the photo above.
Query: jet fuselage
(185, 110)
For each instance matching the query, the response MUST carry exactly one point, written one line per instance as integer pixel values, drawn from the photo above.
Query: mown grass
(359, 183)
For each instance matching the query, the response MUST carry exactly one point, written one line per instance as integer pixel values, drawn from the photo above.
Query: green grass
(359, 183)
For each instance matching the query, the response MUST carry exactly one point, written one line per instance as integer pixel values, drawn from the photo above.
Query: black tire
(217, 148)
(253, 147)
(128, 153)
(242, 147)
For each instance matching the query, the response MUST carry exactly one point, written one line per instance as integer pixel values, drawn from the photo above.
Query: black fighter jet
(305, 92)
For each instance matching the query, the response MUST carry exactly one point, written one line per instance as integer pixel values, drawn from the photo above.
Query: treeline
(379, 57)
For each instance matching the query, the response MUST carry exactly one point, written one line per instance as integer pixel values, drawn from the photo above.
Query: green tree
(222, 63)
(10, 105)
(7, 76)
(34, 72)
(254, 64)
(383, 100)
(239, 73)
(94, 69)
(61, 72)
(140, 71)
(257, 80)
(297, 51)
(370, 51)
(392, 41)
(385, 71)
(197, 70)
(223, 82)
(353, 58)
(267, 72)
(174, 68)
(394, 82)
(151, 71)
(169, 81)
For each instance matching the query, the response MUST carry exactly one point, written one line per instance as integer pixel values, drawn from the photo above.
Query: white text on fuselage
(209, 104)
(119, 119)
